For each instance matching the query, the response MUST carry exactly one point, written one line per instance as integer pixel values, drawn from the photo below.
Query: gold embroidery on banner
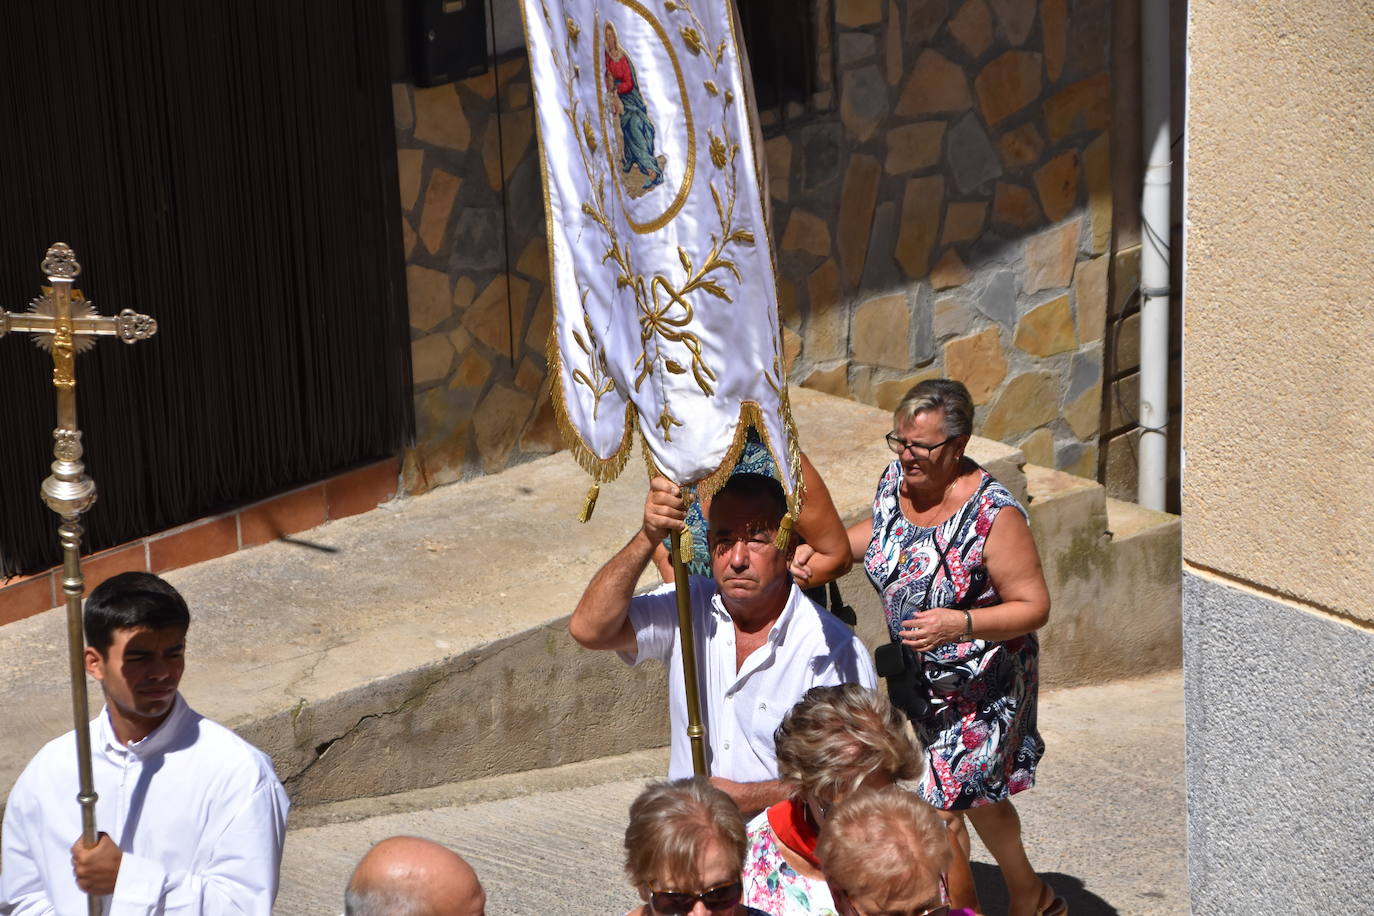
(690, 161)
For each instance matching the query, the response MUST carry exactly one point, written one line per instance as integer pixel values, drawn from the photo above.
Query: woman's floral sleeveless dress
(982, 743)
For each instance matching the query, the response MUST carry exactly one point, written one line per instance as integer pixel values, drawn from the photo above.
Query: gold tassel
(684, 547)
(589, 504)
(784, 531)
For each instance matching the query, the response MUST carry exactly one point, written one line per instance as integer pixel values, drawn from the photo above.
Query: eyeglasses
(847, 907)
(717, 899)
(917, 450)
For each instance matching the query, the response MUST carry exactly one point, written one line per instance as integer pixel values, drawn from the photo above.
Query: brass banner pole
(695, 731)
(66, 325)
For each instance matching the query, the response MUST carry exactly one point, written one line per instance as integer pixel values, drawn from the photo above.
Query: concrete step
(1104, 823)
(425, 642)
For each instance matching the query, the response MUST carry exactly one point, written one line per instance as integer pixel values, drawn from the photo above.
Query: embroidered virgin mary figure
(636, 127)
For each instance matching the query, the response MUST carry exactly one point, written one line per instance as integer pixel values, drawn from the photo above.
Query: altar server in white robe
(192, 817)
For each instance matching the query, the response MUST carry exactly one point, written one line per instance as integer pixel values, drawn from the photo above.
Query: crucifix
(65, 324)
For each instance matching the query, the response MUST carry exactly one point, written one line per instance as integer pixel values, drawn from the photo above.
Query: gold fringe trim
(784, 532)
(685, 546)
(602, 470)
(589, 504)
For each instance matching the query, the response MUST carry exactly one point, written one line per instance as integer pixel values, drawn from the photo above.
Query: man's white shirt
(198, 813)
(806, 647)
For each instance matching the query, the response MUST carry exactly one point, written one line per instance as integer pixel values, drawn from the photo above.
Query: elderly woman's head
(930, 429)
(684, 848)
(883, 851)
(838, 739)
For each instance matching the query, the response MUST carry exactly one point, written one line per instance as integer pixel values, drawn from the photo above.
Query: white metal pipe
(1153, 455)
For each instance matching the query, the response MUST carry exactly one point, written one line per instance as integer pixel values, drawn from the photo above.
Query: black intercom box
(448, 40)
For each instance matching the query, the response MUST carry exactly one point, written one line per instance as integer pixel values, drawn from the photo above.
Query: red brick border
(350, 493)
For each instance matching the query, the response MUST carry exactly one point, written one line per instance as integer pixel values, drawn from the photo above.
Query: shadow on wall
(946, 211)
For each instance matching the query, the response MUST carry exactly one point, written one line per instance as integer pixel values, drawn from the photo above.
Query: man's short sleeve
(653, 615)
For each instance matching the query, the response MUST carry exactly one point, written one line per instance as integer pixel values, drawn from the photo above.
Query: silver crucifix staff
(65, 324)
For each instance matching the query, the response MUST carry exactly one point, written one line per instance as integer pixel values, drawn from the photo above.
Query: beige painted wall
(1278, 333)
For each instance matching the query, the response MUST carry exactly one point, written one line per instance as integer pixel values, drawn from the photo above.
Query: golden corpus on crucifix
(65, 324)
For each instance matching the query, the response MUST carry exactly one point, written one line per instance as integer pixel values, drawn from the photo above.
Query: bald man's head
(408, 876)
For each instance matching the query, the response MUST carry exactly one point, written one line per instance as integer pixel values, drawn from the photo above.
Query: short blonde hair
(884, 842)
(671, 823)
(943, 394)
(837, 737)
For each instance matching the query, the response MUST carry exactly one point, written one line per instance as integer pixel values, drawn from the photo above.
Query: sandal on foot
(1057, 906)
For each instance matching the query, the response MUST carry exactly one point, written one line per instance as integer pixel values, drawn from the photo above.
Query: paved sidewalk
(1105, 824)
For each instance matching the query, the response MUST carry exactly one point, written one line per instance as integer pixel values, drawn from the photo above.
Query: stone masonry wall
(949, 215)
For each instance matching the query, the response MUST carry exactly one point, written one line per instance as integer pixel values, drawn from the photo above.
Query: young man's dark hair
(132, 600)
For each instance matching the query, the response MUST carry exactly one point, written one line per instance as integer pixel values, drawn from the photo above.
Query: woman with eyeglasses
(684, 849)
(963, 593)
(835, 741)
(884, 853)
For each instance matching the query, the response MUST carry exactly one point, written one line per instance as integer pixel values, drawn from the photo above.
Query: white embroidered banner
(665, 303)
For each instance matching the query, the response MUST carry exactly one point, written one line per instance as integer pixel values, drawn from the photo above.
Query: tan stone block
(949, 272)
(534, 260)
(460, 339)
(827, 326)
(791, 349)
(936, 84)
(1008, 84)
(1090, 298)
(778, 153)
(857, 201)
(497, 312)
(1086, 464)
(964, 221)
(1049, 256)
(914, 146)
(1057, 182)
(1046, 329)
(530, 375)
(1054, 17)
(439, 197)
(806, 232)
(1027, 401)
(1038, 448)
(430, 358)
(889, 394)
(473, 371)
(409, 164)
(978, 361)
(855, 13)
(1128, 344)
(542, 436)
(972, 27)
(880, 332)
(497, 423)
(517, 130)
(402, 111)
(1084, 415)
(439, 118)
(1097, 175)
(1084, 106)
(484, 84)
(408, 236)
(921, 205)
(1014, 206)
(463, 292)
(830, 381)
(893, 57)
(1020, 146)
(428, 293)
(788, 311)
(537, 337)
(518, 94)
(953, 314)
(1017, 17)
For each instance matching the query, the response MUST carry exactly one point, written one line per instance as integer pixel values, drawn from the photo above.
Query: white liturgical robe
(197, 811)
(741, 708)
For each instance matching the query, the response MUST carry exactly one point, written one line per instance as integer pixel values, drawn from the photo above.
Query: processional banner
(665, 302)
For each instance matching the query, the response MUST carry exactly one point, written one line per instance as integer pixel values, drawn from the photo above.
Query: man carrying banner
(760, 643)
(194, 815)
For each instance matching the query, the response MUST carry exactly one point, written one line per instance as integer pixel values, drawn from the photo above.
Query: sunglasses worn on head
(717, 899)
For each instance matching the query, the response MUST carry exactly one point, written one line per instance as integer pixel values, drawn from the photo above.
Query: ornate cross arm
(65, 324)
